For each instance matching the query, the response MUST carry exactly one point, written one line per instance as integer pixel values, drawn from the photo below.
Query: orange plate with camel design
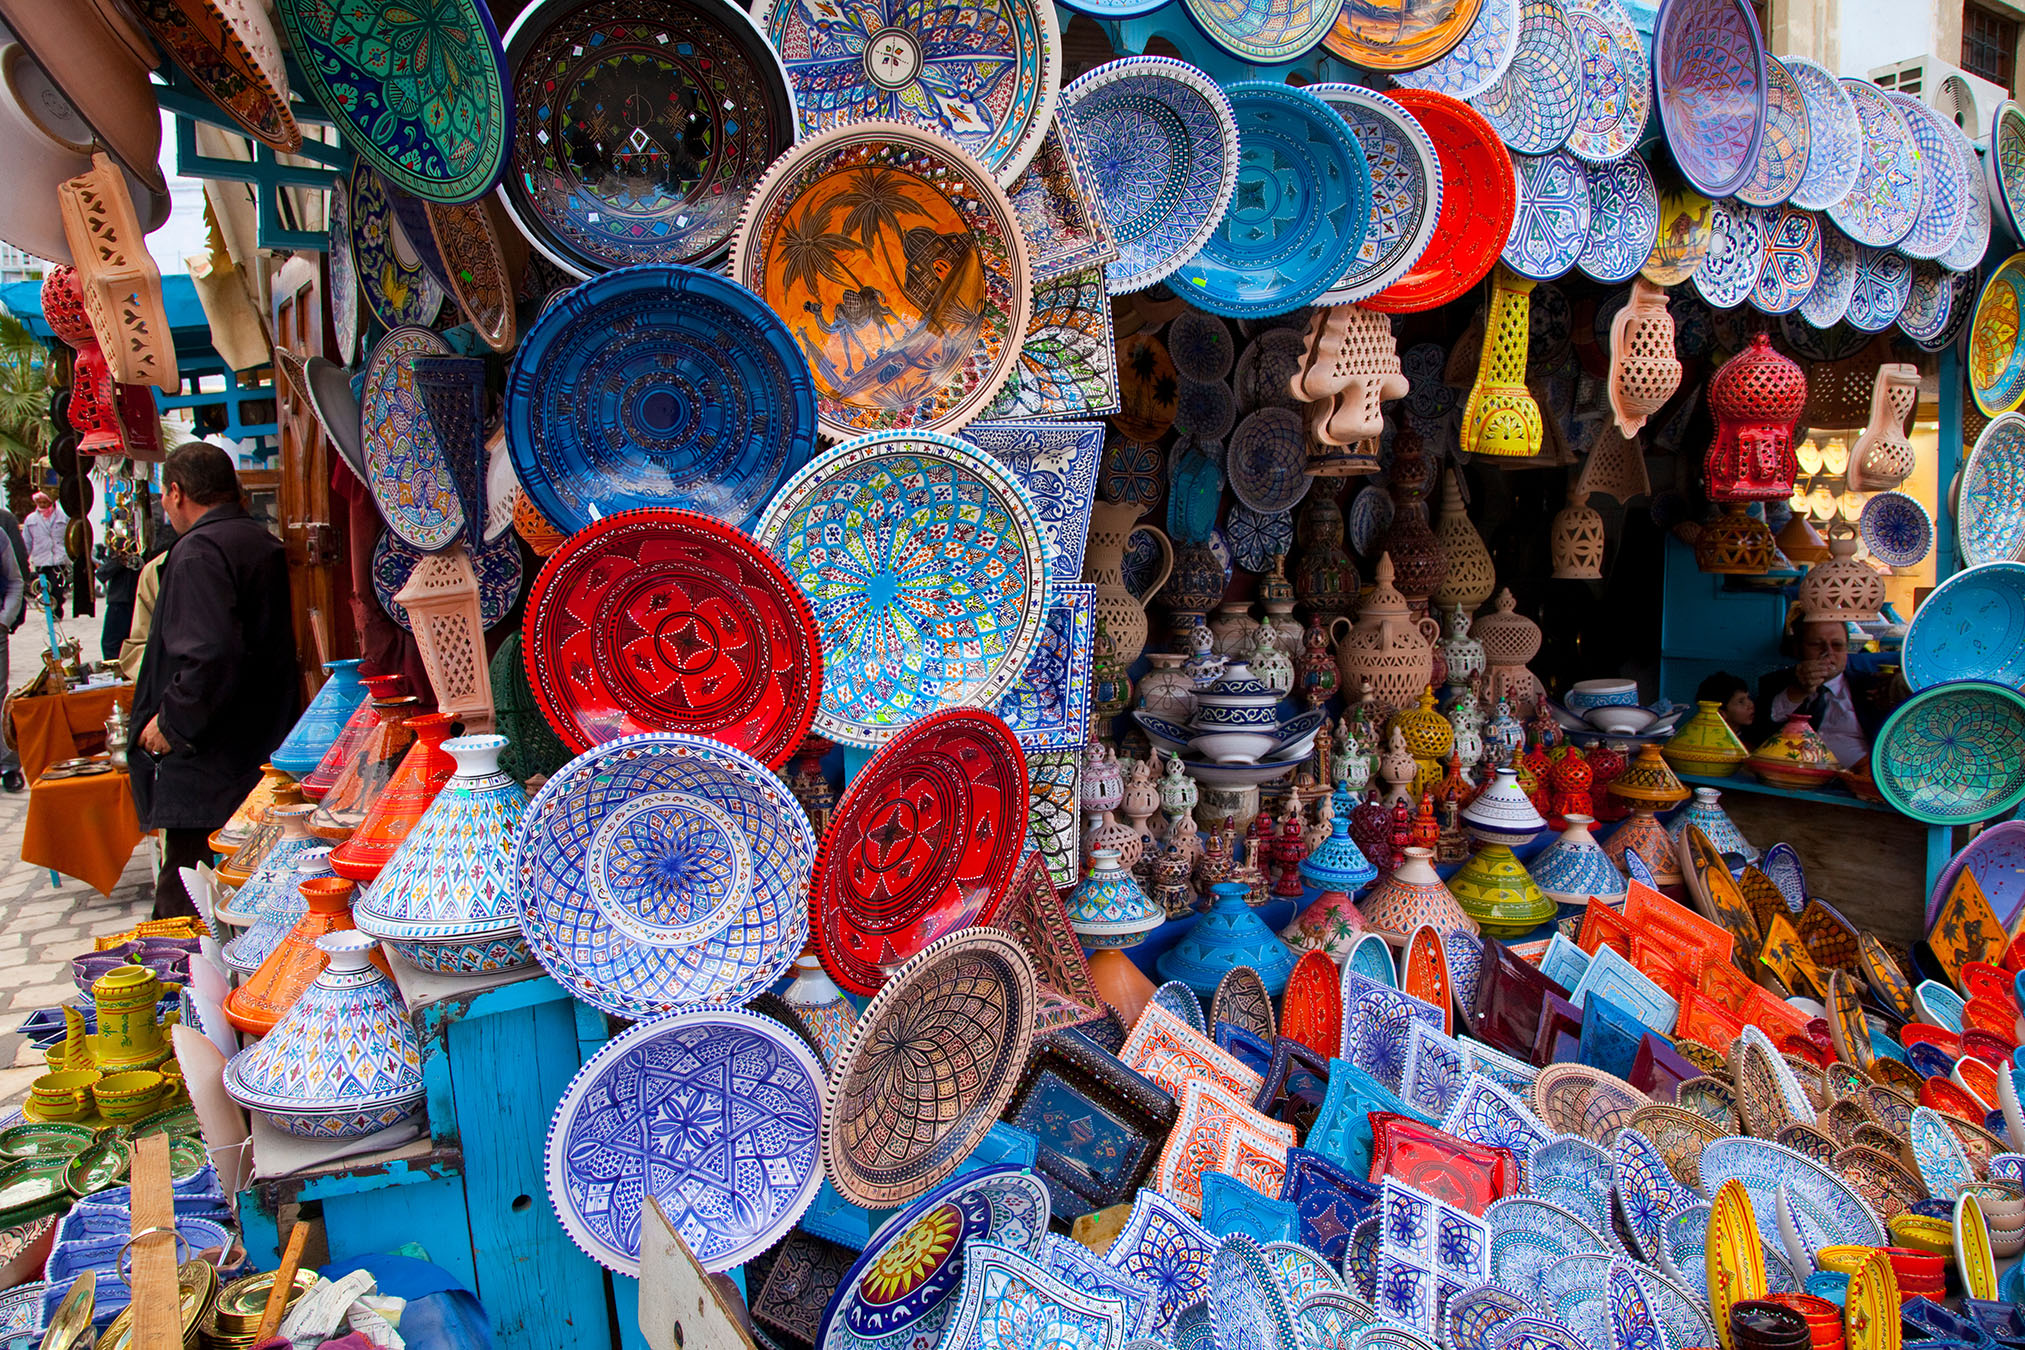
(900, 268)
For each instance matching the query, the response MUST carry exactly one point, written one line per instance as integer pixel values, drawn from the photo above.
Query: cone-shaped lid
(1338, 864)
(450, 879)
(423, 771)
(1415, 895)
(323, 721)
(280, 907)
(255, 1006)
(1229, 936)
(345, 1045)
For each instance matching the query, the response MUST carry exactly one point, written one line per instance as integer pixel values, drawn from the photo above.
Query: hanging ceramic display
(1405, 189)
(1616, 96)
(1552, 224)
(659, 872)
(1623, 220)
(1502, 417)
(2004, 166)
(1971, 626)
(1476, 62)
(915, 613)
(1756, 397)
(1784, 146)
(892, 343)
(1736, 254)
(1268, 460)
(1953, 753)
(1533, 106)
(1969, 247)
(406, 469)
(1708, 64)
(1792, 262)
(1834, 136)
(230, 49)
(1945, 181)
(1883, 281)
(1990, 507)
(1479, 198)
(1686, 223)
(475, 270)
(1885, 203)
(496, 566)
(1996, 356)
(392, 282)
(1303, 194)
(1897, 529)
(1927, 302)
(1828, 301)
(1399, 35)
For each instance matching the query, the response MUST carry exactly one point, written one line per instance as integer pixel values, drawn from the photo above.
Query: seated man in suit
(1847, 706)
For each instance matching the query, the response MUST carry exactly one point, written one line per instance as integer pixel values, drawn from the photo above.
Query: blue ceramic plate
(1164, 1246)
(1268, 460)
(1972, 626)
(1551, 227)
(1708, 65)
(1929, 295)
(1405, 190)
(1248, 1307)
(406, 468)
(1883, 206)
(1783, 149)
(392, 282)
(1538, 1333)
(1945, 189)
(1834, 136)
(1623, 220)
(1534, 104)
(1478, 61)
(1828, 301)
(1162, 147)
(1736, 256)
(1258, 537)
(1883, 281)
(1990, 508)
(1194, 491)
(717, 1115)
(1616, 96)
(1475, 1318)
(1827, 1210)
(1303, 198)
(1954, 753)
(1897, 529)
(1792, 262)
(2004, 167)
(1968, 250)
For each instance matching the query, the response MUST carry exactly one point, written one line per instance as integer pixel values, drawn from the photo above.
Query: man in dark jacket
(217, 687)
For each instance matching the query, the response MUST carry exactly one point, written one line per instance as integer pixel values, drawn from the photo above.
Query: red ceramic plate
(1426, 974)
(1312, 1010)
(1942, 1095)
(1479, 197)
(1980, 979)
(663, 620)
(1994, 1051)
(926, 840)
(1947, 1042)
(1466, 1175)
(1980, 1079)
(1989, 1015)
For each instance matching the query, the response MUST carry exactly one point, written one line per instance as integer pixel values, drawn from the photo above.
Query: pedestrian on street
(43, 533)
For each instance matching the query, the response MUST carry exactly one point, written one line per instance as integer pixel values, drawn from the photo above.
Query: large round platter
(1972, 626)
(1736, 254)
(418, 89)
(1834, 136)
(1829, 300)
(1302, 202)
(1896, 529)
(1708, 64)
(1944, 185)
(1616, 95)
(924, 564)
(926, 841)
(986, 78)
(1479, 198)
(1475, 63)
(1394, 35)
(230, 48)
(657, 386)
(1997, 340)
(1885, 203)
(1623, 220)
(1161, 145)
(1551, 226)
(1405, 190)
(1792, 262)
(605, 176)
(405, 466)
(663, 872)
(1968, 249)
(1883, 280)
(2004, 167)
(897, 337)
(497, 565)
(1533, 106)
(717, 1115)
(672, 621)
(1961, 303)
(1784, 146)
(393, 284)
(1990, 507)
(1826, 1210)
(936, 1056)
(1954, 753)
(1267, 34)
(906, 1285)
(1686, 226)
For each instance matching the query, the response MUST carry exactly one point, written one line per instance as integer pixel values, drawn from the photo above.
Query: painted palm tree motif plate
(1783, 148)
(1708, 64)
(1885, 203)
(1686, 227)
(1834, 136)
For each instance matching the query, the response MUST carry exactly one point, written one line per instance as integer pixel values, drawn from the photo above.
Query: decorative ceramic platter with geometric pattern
(1708, 65)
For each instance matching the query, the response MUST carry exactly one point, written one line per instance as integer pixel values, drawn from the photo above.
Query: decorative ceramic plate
(1954, 753)
(1267, 34)
(1405, 190)
(1736, 254)
(1826, 1210)
(1475, 63)
(1974, 241)
(1828, 301)
(1945, 190)
(671, 621)
(1686, 225)
(1792, 262)
(715, 1114)
(2004, 166)
(925, 841)
(911, 316)
(1990, 508)
(419, 90)
(392, 282)
(1268, 460)
(1257, 537)
(345, 300)
(935, 1058)
(406, 468)
(1885, 203)
(1303, 196)
(1528, 1236)
(1480, 196)
(1533, 106)
(1834, 136)
(658, 386)
(1551, 227)
(1996, 366)
(1249, 1309)
(1161, 145)
(1399, 35)
(660, 872)
(1783, 148)
(1929, 294)
(1970, 627)
(923, 561)
(1709, 67)
(1623, 220)
(496, 564)
(1616, 96)
(1883, 281)
(1897, 529)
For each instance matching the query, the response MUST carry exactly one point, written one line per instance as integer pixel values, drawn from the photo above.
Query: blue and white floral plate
(1828, 300)
(1834, 136)
(1883, 281)
(1792, 262)
(1883, 206)
(1478, 61)
(1828, 1209)
(1623, 220)
(1529, 1237)
(1929, 298)
(1897, 529)
(1708, 67)
(1534, 104)
(1552, 225)
(1736, 255)
(1538, 1333)
(1007, 1296)
(1945, 181)
(1990, 508)
(1162, 1245)
(1405, 189)
(1248, 1307)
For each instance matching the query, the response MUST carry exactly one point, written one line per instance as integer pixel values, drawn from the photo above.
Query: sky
(184, 233)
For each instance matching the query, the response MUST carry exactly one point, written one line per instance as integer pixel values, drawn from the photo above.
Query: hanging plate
(1709, 67)
(405, 466)
(1927, 302)
(1551, 227)
(1944, 186)
(1392, 35)
(1954, 753)
(344, 282)
(1784, 146)
(464, 239)
(1972, 626)
(1883, 280)
(1475, 63)
(1968, 249)
(925, 841)
(1616, 95)
(1480, 196)
(1686, 228)
(1792, 262)
(1990, 507)
(1736, 254)
(2004, 168)
(1829, 300)
(1405, 190)
(1268, 461)
(1885, 203)
(1269, 34)
(1834, 136)
(1896, 529)
(394, 285)
(1533, 106)
(1623, 220)
(1996, 351)
(497, 565)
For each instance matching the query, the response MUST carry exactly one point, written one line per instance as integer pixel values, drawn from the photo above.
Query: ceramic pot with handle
(1112, 525)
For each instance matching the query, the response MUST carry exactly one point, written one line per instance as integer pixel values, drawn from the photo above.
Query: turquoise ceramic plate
(1972, 627)
(1954, 754)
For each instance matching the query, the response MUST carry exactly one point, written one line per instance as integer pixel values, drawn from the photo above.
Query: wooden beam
(681, 1306)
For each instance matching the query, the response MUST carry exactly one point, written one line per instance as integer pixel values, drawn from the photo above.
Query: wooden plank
(158, 1317)
(681, 1307)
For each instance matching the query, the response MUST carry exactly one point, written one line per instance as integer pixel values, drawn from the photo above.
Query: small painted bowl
(127, 1097)
(481, 954)
(1586, 694)
(1922, 1233)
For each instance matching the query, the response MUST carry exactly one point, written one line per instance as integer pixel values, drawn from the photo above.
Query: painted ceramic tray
(1954, 753)
(1708, 64)
(1834, 136)
(1996, 352)
(1260, 33)
(935, 1058)
(1303, 195)
(925, 841)
(1736, 254)
(1792, 262)
(1883, 206)
(1990, 507)
(345, 300)
(912, 315)
(496, 564)
(1929, 297)
(1393, 35)
(1829, 300)
(1623, 220)
(605, 175)
(1945, 181)
(1405, 190)
(658, 386)
(1533, 106)
(1826, 1210)
(1883, 281)
(1551, 226)
(1480, 196)
(419, 90)
(924, 564)
(392, 283)
(1783, 148)
(1475, 63)
(1161, 143)
(1897, 529)
(1616, 96)
(715, 1114)
(664, 620)
(1686, 224)
(1972, 626)
(2004, 166)
(660, 872)
(407, 471)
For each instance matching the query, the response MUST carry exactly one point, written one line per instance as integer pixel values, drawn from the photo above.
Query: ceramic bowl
(1232, 747)
(1620, 720)
(485, 954)
(1215, 717)
(1586, 694)
(126, 1097)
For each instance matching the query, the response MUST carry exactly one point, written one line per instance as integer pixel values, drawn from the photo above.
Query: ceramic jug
(1112, 525)
(1386, 646)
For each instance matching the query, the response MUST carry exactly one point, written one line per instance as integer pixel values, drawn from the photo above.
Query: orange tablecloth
(46, 728)
(82, 827)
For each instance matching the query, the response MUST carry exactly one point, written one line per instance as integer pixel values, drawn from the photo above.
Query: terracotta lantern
(441, 598)
(1845, 587)
(1882, 457)
(1756, 398)
(1419, 563)
(1354, 366)
(1644, 372)
(1577, 539)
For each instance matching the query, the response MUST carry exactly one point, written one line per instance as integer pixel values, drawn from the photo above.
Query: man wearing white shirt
(1820, 687)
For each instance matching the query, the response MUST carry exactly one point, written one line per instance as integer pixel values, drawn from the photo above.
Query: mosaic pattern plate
(1967, 250)
(1475, 63)
(1056, 462)
(1266, 32)
(1834, 136)
(1954, 753)
(1990, 508)
(1792, 262)
(1068, 364)
(1616, 96)
(1163, 1245)
(1823, 1206)
(1552, 224)
(1885, 203)
(1996, 351)
(1480, 195)
(1896, 529)
(1945, 187)
(1784, 145)
(1405, 190)
(1533, 106)
(1708, 64)
(392, 283)
(1736, 254)
(1929, 296)
(1883, 281)
(408, 473)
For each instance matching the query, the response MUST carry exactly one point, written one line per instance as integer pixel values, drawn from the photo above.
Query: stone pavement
(42, 927)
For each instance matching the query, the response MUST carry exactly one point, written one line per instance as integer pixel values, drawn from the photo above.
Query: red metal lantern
(1756, 398)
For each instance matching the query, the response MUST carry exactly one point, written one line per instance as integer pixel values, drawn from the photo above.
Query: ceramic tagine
(1495, 890)
(366, 774)
(276, 873)
(1706, 811)
(275, 788)
(322, 721)
(1338, 864)
(1705, 744)
(343, 1062)
(278, 914)
(357, 727)
(255, 1006)
(1108, 908)
(1794, 757)
(1574, 868)
(1414, 895)
(1648, 786)
(1502, 813)
(1229, 936)
(445, 901)
(423, 771)
(823, 1010)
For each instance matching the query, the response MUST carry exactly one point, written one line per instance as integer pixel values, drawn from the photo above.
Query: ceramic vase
(1575, 868)
(276, 872)
(128, 1035)
(423, 771)
(1794, 757)
(1494, 888)
(278, 914)
(1338, 864)
(445, 902)
(1108, 908)
(1510, 640)
(343, 809)
(1419, 564)
(1227, 937)
(1387, 647)
(1705, 744)
(319, 780)
(1414, 895)
(1706, 811)
(256, 1005)
(1230, 629)
(1112, 525)
(1641, 833)
(322, 722)
(822, 1008)
(1166, 691)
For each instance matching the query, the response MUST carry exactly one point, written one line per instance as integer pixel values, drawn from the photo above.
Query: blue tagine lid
(1229, 936)
(322, 721)
(1338, 863)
